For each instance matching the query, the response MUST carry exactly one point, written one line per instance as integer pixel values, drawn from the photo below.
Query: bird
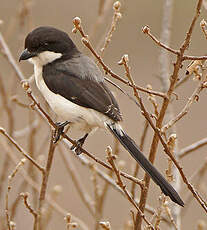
(75, 89)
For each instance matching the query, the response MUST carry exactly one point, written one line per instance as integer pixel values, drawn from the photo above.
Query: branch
(146, 30)
(38, 220)
(188, 57)
(117, 15)
(10, 177)
(27, 205)
(198, 144)
(194, 97)
(10, 58)
(20, 149)
(86, 42)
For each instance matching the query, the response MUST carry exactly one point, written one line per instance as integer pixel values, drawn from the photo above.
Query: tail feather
(133, 149)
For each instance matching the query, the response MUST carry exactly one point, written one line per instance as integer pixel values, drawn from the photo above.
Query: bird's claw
(59, 130)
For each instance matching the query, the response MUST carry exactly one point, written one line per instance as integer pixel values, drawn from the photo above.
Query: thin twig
(146, 30)
(20, 149)
(185, 110)
(189, 149)
(10, 178)
(38, 220)
(27, 205)
(105, 225)
(116, 17)
(168, 212)
(159, 212)
(197, 176)
(9, 112)
(10, 58)
(86, 42)
(104, 8)
(188, 57)
(203, 26)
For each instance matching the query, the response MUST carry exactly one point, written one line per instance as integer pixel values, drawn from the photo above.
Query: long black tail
(133, 149)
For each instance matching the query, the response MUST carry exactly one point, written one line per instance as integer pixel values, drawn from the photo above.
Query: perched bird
(74, 87)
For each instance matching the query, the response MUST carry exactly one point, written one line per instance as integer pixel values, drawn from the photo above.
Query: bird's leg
(59, 130)
(79, 143)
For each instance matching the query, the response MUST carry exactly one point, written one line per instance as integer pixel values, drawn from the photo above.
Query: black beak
(26, 54)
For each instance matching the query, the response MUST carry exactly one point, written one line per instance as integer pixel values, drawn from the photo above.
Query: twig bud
(146, 29)
(77, 22)
(105, 225)
(171, 141)
(68, 217)
(203, 23)
(109, 150)
(117, 5)
(124, 59)
(2, 130)
(25, 84)
(12, 225)
(85, 41)
(24, 195)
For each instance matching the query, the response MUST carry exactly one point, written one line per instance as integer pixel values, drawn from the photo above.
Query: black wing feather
(82, 91)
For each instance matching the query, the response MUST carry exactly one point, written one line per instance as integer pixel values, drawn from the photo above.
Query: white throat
(44, 58)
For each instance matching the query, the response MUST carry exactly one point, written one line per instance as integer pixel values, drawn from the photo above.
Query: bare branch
(146, 30)
(38, 220)
(86, 42)
(10, 177)
(194, 97)
(188, 57)
(116, 17)
(27, 205)
(20, 149)
(189, 149)
(10, 58)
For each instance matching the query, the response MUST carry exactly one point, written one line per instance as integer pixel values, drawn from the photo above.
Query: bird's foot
(59, 130)
(77, 147)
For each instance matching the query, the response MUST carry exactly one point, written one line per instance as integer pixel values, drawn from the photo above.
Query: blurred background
(18, 17)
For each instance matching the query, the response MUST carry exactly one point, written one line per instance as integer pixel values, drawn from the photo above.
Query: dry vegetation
(41, 203)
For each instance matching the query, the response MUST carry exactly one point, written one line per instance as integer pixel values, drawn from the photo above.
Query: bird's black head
(50, 39)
